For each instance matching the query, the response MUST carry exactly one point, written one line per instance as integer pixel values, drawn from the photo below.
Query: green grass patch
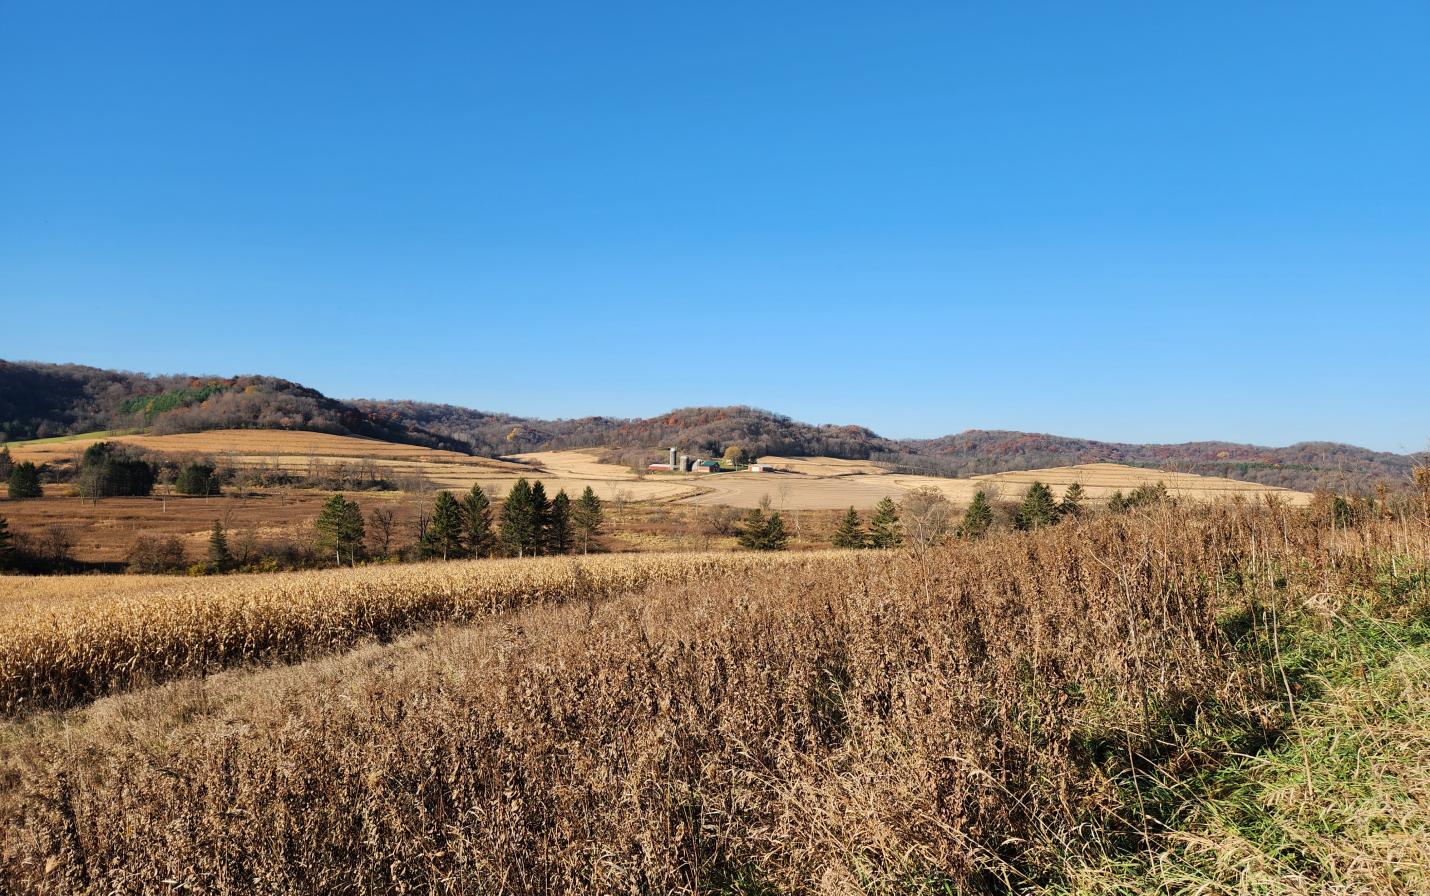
(1329, 793)
(97, 434)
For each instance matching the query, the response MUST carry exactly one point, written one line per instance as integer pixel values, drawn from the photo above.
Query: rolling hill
(40, 400)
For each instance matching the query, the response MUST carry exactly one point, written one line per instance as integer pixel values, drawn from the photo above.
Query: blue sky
(1139, 222)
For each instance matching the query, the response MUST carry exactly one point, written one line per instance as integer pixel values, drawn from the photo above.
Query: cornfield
(107, 633)
(841, 723)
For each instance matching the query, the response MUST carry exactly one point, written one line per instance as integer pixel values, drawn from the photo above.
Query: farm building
(761, 468)
(659, 468)
(707, 466)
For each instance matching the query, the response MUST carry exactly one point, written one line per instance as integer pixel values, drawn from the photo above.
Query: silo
(684, 463)
(672, 458)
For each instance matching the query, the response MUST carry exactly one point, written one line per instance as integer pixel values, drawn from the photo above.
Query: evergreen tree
(24, 481)
(850, 532)
(5, 462)
(107, 470)
(884, 527)
(198, 479)
(540, 515)
(1038, 508)
(340, 528)
(776, 539)
(978, 518)
(586, 518)
(1117, 502)
(558, 525)
(444, 533)
(220, 558)
(758, 532)
(1143, 495)
(520, 527)
(477, 520)
(7, 545)
(1072, 501)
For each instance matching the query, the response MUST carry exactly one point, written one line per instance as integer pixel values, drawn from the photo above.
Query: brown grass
(93, 641)
(846, 723)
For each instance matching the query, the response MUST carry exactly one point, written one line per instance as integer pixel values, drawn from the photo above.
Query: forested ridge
(42, 400)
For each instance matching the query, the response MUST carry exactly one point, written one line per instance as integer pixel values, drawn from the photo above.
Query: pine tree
(1117, 502)
(1038, 508)
(477, 521)
(776, 538)
(750, 532)
(220, 558)
(540, 515)
(884, 527)
(5, 462)
(978, 518)
(24, 481)
(586, 517)
(850, 533)
(1146, 494)
(519, 524)
(762, 533)
(558, 525)
(340, 528)
(1072, 501)
(444, 533)
(7, 545)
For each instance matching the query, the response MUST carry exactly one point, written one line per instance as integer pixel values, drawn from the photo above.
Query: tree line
(925, 517)
(528, 524)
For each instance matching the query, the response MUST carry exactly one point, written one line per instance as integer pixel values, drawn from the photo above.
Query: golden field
(840, 723)
(802, 483)
(71, 639)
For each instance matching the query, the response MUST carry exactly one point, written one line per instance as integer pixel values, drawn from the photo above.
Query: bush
(156, 554)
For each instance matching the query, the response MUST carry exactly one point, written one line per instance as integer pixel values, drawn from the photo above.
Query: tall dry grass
(857, 723)
(106, 634)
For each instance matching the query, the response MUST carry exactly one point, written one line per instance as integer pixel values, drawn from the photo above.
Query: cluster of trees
(761, 530)
(883, 532)
(532, 525)
(528, 524)
(197, 478)
(109, 470)
(925, 517)
(23, 481)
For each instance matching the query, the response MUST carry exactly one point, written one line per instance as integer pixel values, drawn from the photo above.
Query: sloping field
(802, 483)
(297, 451)
(829, 484)
(1099, 481)
(264, 444)
(794, 491)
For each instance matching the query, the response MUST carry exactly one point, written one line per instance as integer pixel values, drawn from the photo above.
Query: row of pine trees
(529, 524)
(1039, 508)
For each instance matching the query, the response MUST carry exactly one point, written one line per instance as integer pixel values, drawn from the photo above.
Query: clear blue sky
(1143, 222)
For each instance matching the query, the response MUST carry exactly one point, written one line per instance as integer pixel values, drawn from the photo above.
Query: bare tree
(927, 518)
(56, 545)
(381, 524)
(619, 498)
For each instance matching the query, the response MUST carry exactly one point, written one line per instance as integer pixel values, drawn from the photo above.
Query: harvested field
(828, 484)
(795, 491)
(1099, 481)
(258, 444)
